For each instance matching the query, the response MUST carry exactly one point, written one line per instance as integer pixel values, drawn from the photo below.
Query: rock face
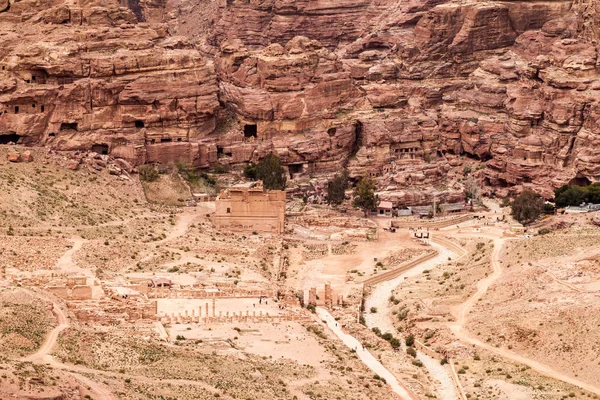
(408, 92)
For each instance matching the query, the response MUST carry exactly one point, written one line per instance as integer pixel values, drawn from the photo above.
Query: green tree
(336, 188)
(250, 171)
(364, 195)
(527, 206)
(270, 171)
(570, 196)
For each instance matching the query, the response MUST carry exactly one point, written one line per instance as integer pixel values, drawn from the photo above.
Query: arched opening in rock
(580, 181)
(139, 124)
(250, 130)
(166, 140)
(16, 109)
(100, 148)
(52, 134)
(68, 126)
(9, 138)
(43, 108)
(331, 131)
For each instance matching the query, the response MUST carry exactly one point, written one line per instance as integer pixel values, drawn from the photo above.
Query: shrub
(409, 340)
(411, 351)
(148, 173)
(373, 310)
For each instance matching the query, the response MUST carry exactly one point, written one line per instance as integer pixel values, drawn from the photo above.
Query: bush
(395, 343)
(527, 206)
(409, 340)
(148, 173)
(411, 351)
(544, 231)
(373, 310)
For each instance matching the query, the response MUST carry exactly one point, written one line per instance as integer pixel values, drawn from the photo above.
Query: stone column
(328, 295)
(312, 296)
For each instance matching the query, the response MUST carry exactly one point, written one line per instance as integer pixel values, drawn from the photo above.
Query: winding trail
(461, 312)
(42, 356)
(379, 298)
(365, 356)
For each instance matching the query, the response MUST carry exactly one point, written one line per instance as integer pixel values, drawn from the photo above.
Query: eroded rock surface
(405, 92)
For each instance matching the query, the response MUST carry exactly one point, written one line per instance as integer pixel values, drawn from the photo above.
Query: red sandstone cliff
(405, 91)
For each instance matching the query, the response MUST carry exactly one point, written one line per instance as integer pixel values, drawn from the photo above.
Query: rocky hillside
(403, 91)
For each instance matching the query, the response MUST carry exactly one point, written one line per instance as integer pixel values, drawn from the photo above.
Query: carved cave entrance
(250, 131)
(8, 138)
(295, 169)
(68, 126)
(139, 124)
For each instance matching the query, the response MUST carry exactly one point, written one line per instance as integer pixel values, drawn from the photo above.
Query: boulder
(14, 156)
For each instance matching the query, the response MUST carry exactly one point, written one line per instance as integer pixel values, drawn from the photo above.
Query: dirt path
(379, 298)
(365, 356)
(461, 312)
(41, 356)
(65, 262)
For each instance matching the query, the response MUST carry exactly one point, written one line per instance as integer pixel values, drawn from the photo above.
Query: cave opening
(295, 169)
(250, 130)
(9, 138)
(331, 131)
(358, 137)
(580, 181)
(166, 140)
(139, 124)
(100, 148)
(68, 126)
(16, 109)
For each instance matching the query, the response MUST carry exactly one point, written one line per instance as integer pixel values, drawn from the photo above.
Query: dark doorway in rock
(580, 181)
(9, 138)
(250, 131)
(358, 138)
(219, 151)
(331, 131)
(100, 148)
(166, 140)
(52, 134)
(16, 109)
(139, 124)
(68, 126)
(295, 169)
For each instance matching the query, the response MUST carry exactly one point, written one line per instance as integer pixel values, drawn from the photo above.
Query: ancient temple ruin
(249, 207)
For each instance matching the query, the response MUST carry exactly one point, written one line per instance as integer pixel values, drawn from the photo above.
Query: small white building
(384, 209)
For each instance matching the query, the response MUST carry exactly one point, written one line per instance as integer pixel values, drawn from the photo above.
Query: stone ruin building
(249, 207)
